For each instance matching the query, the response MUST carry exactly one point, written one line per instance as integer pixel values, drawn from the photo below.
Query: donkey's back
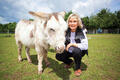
(24, 33)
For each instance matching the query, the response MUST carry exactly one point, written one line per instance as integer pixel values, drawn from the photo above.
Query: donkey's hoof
(20, 60)
(40, 72)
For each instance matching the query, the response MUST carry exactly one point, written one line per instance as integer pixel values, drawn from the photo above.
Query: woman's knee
(77, 50)
(59, 57)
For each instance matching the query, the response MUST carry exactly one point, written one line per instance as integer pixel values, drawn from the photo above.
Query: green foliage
(103, 19)
(31, 19)
(5, 28)
(93, 22)
(8, 27)
(67, 15)
(86, 21)
(117, 14)
(11, 27)
(1, 26)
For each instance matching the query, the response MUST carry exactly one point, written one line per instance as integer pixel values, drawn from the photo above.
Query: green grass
(103, 62)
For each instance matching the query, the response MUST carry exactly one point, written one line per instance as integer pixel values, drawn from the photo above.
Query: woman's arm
(71, 44)
(83, 45)
(84, 42)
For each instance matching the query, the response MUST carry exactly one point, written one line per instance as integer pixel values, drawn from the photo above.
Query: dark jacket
(78, 37)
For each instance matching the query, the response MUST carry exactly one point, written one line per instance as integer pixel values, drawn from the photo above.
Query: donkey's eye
(52, 30)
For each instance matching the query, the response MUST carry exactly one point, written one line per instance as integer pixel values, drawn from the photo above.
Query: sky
(15, 10)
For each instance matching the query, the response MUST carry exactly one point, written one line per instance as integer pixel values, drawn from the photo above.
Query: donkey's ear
(62, 13)
(40, 14)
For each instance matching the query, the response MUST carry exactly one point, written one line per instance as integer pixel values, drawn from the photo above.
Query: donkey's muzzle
(60, 49)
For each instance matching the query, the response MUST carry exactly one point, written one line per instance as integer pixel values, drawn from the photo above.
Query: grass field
(103, 62)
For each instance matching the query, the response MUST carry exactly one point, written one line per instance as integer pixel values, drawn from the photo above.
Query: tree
(11, 27)
(106, 19)
(5, 28)
(117, 13)
(85, 21)
(93, 22)
(67, 15)
(1, 27)
(31, 19)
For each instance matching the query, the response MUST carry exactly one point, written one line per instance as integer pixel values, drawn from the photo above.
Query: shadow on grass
(56, 67)
(83, 66)
(59, 69)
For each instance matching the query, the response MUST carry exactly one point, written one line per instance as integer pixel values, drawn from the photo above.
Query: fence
(97, 31)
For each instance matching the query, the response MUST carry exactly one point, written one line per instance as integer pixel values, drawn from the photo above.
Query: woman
(76, 43)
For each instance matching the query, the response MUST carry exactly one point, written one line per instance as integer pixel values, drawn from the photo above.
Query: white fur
(42, 37)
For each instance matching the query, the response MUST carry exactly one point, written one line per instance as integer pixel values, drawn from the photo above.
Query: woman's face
(73, 23)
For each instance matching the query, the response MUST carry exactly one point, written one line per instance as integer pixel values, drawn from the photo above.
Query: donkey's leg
(19, 50)
(45, 58)
(28, 54)
(40, 59)
(40, 56)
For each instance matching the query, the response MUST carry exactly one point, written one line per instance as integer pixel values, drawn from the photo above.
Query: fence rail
(96, 31)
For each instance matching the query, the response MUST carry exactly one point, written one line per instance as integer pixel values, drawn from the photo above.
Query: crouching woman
(76, 44)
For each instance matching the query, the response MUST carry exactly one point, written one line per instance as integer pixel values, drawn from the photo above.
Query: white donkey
(45, 31)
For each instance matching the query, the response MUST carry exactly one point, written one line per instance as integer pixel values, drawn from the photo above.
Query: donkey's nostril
(57, 48)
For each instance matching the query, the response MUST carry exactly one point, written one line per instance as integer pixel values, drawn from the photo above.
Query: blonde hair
(78, 18)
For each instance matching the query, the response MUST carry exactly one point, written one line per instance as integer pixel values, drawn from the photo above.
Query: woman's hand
(71, 44)
(68, 46)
